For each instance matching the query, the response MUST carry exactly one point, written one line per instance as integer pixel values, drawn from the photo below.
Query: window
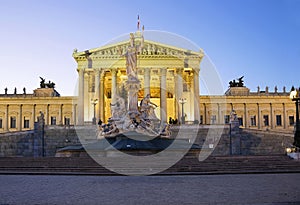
(1, 126)
(53, 120)
(67, 121)
(226, 119)
(12, 122)
(291, 120)
(253, 120)
(26, 123)
(213, 119)
(278, 120)
(201, 119)
(240, 121)
(266, 120)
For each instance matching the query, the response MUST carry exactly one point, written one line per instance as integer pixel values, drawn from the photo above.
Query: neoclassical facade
(261, 110)
(18, 112)
(166, 72)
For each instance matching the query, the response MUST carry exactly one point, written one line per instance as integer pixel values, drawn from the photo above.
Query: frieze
(149, 50)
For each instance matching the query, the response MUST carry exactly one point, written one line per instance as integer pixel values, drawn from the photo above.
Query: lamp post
(182, 101)
(94, 102)
(294, 95)
(43, 137)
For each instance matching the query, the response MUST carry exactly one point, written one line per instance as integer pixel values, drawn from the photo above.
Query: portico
(166, 72)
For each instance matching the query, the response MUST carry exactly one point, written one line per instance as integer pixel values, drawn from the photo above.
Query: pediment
(150, 48)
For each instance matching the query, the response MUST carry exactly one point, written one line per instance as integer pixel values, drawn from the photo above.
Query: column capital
(114, 71)
(97, 71)
(163, 71)
(80, 70)
(179, 71)
(102, 74)
(196, 70)
(147, 69)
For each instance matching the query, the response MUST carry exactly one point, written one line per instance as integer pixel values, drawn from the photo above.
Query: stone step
(211, 165)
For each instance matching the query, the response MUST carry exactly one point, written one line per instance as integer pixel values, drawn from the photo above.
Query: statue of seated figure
(147, 108)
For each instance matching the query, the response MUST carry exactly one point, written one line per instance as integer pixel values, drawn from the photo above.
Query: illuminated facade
(166, 72)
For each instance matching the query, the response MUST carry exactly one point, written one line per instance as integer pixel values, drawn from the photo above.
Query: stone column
(101, 97)
(20, 118)
(204, 116)
(47, 115)
(33, 116)
(196, 94)
(163, 95)
(74, 115)
(60, 113)
(87, 100)
(258, 117)
(146, 81)
(245, 115)
(6, 116)
(97, 93)
(80, 120)
(271, 116)
(178, 92)
(284, 116)
(219, 114)
(113, 84)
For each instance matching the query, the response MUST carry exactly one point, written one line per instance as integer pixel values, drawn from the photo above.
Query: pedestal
(133, 86)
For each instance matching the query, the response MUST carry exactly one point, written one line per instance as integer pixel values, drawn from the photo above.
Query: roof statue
(240, 82)
(42, 83)
(46, 85)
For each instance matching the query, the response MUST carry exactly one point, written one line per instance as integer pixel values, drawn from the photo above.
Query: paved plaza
(254, 189)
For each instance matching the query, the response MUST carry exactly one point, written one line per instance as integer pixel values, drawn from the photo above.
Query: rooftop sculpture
(46, 85)
(240, 82)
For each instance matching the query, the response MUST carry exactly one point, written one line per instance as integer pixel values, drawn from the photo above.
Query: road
(254, 189)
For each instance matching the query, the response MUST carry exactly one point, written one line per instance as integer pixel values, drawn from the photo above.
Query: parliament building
(169, 74)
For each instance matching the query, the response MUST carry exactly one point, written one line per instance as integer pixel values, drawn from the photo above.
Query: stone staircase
(212, 165)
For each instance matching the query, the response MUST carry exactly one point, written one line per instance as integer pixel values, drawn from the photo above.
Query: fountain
(134, 128)
(133, 119)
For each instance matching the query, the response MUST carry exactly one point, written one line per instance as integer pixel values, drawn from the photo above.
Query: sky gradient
(259, 39)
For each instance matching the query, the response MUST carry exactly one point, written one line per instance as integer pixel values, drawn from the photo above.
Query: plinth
(133, 86)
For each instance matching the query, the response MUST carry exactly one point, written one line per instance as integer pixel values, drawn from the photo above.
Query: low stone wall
(256, 142)
(17, 144)
(59, 136)
(29, 143)
(243, 142)
(213, 138)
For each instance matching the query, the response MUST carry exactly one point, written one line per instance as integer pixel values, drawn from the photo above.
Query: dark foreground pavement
(254, 189)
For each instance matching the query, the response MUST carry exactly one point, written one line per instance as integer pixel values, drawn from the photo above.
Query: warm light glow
(288, 150)
(94, 101)
(182, 100)
(293, 94)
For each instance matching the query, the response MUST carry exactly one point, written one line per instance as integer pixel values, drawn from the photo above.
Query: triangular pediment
(150, 48)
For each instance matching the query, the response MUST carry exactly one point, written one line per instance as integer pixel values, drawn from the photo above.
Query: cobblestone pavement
(254, 189)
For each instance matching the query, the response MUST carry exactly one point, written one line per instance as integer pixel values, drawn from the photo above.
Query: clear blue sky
(259, 39)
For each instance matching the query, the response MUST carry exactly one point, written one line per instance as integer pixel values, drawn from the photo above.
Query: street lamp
(94, 102)
(182, 101)
(294, 95)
